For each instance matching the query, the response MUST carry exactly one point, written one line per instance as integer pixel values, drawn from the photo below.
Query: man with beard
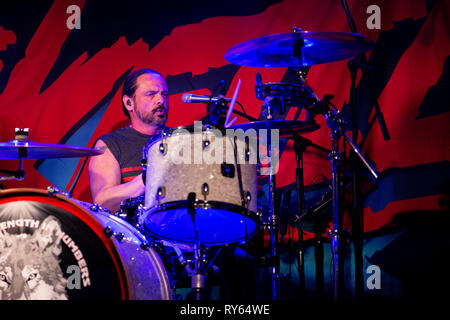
(116, 174)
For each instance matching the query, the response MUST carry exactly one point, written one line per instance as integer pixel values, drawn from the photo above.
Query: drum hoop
(29, 193)
(201, 204)
(182, 204)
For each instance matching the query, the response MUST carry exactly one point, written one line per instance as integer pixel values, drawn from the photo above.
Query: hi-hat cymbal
(286, 127)
(27, 149)
(283, 50)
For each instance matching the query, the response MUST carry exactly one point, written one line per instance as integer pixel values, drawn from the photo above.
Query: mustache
(160, 108)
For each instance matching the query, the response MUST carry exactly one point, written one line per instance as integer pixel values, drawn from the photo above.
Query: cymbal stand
(197, 275)
(200, 262)
(19, 174)
(300, 147)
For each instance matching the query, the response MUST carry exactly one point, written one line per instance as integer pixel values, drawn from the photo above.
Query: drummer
(116, 174)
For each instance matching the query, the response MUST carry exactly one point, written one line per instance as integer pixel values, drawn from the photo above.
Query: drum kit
(187, 206)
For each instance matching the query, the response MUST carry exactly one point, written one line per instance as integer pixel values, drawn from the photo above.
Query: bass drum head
(53, 249)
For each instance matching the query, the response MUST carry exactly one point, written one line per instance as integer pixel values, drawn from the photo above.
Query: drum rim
(167, 132)
(143, 241)
(209, 204)
(182, 204)
(108, 242)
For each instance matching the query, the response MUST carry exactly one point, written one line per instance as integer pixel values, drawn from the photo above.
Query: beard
(156, 117)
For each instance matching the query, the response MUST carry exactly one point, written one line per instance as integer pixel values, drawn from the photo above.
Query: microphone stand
(337, 124)
(217, 113)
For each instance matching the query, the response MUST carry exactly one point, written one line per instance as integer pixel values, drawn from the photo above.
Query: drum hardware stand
(246, 196)
(337, 124)
(357, 210)
(300, 145)
(199, 270)
(72, 187)
(197, 277)
(54, 190)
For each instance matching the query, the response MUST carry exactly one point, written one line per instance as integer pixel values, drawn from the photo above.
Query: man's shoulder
(124, 131)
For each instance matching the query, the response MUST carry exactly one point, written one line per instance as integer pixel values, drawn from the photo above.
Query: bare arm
(104, 180)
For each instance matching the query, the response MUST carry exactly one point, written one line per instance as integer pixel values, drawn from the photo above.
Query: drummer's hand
(139, 183)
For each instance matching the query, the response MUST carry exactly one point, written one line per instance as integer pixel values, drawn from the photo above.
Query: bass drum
(57, 248)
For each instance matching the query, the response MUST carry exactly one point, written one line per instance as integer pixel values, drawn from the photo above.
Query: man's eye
(3, 278)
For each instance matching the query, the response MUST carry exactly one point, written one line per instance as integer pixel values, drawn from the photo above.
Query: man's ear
(128, 103)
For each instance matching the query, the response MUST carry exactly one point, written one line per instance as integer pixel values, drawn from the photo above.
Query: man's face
(151, 100)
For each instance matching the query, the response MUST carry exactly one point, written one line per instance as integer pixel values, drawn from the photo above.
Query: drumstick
(230, 108)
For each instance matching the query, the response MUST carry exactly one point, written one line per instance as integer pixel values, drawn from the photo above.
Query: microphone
(193, 98)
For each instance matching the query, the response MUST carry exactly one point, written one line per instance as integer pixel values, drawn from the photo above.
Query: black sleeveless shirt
(127, 146)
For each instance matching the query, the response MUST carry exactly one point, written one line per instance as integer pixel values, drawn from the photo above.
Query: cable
(220, 86)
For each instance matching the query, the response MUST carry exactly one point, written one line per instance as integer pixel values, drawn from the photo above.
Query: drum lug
(247, 150)
(163, 148)
(160, 194)
(259, 213)
(108, 232)
(206, 144)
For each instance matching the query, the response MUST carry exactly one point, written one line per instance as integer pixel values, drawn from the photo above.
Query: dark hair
(129, 85)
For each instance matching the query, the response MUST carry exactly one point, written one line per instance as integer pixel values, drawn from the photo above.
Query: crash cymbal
(27, 149)
(283, 50)
(286, 128)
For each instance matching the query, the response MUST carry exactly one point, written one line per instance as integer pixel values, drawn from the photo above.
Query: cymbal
(286, 128)
(277, 50)
(27, 149)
